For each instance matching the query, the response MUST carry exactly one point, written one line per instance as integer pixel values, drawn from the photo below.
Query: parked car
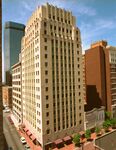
(5, 105)
(27, 147)
(7, 110)
(23, 141)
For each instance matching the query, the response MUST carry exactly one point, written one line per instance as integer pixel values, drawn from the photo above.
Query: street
(11, 135)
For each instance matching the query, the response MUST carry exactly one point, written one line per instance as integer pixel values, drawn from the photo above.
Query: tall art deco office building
(52, 90)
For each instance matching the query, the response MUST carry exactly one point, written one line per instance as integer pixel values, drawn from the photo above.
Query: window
(46, 55)
(47, 122)
(45, 47)
(44, 24)
(47, 114)
(62, 29)
(49, 15)
(46, 64)
(46, 80)
(46, 88)
(47, 105)
(78, 66)
(80, 121)
(54, 27)
(79, 100)
(47, 131)
(45, 40)
(47, 97)
(79, 86)
(46, 72)
(45, 32)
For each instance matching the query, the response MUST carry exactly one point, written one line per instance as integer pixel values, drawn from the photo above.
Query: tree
(113, 122)
(108, 115)
(97, 130)
(106, 124)
(88, 134)
(76, 139)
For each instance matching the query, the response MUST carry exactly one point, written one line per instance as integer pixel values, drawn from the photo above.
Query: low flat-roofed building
(94, 118)
(114, 111)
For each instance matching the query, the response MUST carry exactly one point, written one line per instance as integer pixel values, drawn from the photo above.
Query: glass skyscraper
(13, 33)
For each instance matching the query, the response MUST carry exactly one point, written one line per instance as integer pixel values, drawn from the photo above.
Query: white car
(7, 110)
(27, 147)
(5, 105)
(23, 141)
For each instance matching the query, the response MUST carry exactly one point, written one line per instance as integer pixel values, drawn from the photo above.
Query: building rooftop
(11, 24)
(99, 43)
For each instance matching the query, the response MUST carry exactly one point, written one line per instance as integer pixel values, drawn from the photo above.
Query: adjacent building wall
(2, 138)
(16, 93)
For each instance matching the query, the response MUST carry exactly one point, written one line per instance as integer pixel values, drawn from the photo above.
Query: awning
(59, 141)
(29, 133)
(32, 137)
(67, 138)
(25, 129)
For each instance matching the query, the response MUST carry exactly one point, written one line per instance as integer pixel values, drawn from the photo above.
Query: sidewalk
(29, 141)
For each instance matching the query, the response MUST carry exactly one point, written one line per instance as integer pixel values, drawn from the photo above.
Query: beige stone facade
(52, 84)
(16, 93)
(84, 78)
(112, 61)
(7, 95)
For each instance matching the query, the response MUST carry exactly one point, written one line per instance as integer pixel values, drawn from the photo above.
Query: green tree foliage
(97, 130)
(113, 122)
(88, 133)
(108, 115)
(76, 139)
(107, 124)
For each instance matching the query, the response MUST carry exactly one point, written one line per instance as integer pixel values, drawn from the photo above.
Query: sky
(95, 18)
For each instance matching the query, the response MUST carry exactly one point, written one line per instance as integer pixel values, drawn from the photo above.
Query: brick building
(7, 95)
(97, 70)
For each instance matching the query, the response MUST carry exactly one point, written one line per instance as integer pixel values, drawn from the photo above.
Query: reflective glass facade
(13, 33)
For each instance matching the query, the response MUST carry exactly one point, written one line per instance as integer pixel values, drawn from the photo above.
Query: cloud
(75, 6)
(97, 29)
(85, 10)
(27, 6)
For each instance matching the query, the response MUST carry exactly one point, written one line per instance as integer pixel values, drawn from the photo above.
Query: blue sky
(95, 18)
